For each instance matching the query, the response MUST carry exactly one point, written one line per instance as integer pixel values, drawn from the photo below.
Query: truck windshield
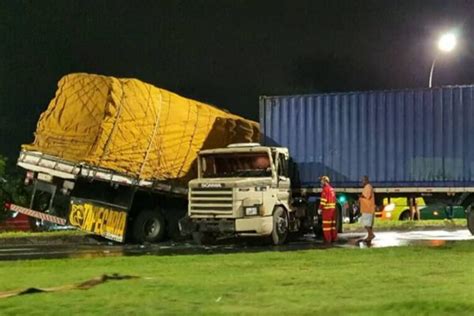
(255, 164)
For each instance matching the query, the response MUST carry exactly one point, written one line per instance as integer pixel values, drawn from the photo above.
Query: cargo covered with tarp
(134, 128)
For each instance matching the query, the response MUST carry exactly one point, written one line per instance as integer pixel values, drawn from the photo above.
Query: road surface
(347, 240)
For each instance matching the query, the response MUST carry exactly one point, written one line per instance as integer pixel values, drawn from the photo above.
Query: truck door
(284, 184)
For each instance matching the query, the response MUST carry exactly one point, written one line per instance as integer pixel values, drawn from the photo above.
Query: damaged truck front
(244, 190)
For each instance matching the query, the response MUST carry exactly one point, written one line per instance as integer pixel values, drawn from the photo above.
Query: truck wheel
(149, 226)
(280, 226)
(470, 219)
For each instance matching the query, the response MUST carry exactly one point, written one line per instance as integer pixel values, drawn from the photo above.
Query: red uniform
(328, 210)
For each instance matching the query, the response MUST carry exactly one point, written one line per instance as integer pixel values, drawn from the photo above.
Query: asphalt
(90, 247)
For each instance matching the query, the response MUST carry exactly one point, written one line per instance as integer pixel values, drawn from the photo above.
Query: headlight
(390, 207)
(388, 215)
(251, 211)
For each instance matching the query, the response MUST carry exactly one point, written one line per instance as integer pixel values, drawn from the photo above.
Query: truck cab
(243, 190)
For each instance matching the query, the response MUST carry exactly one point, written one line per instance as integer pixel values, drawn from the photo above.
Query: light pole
(446, 43)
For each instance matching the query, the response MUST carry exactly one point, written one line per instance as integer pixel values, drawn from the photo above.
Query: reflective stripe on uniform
(327, 222)
(326, 229)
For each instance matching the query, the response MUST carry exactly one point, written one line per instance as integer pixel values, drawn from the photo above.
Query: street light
(446, 43)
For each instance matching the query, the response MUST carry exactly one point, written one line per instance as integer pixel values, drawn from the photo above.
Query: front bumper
(250, 226)
(254, 226)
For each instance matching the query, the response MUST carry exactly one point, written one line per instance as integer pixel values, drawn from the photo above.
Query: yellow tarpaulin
(133, 127)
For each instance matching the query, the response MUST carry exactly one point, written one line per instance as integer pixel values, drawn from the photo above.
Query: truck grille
(211, 201)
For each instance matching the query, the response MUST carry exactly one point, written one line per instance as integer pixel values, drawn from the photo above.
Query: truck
(411, 143)
(113, 156)
(244, 190)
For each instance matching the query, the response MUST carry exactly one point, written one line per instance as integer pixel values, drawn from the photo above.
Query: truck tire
(149, 226)
(280, 226)
(470, 219)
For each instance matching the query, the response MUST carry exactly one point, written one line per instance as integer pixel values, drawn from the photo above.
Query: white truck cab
(243, 190)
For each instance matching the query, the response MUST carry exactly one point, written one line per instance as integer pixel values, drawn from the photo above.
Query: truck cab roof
(244, 147)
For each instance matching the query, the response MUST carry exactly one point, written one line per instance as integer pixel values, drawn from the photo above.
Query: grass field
(388, 281)
(22, 234)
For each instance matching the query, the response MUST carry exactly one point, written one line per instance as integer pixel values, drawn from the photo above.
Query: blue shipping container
(399, 138)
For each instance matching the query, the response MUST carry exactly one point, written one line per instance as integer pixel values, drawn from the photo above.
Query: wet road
(347, 240)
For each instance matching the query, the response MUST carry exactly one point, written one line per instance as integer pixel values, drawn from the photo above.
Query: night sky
(225, 52)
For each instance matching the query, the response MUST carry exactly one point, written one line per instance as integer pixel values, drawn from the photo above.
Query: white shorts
(367, 219)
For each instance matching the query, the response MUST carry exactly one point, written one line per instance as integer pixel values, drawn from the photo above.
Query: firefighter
(327, 207)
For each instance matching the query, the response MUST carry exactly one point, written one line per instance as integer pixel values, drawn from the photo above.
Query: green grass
(21, 234)
(388, 281)
(408, 225)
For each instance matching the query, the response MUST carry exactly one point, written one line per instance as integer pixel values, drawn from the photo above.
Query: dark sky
(224, 52)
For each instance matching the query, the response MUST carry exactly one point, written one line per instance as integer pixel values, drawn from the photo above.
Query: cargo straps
(155, 129)
(198, 108)
(114, 127)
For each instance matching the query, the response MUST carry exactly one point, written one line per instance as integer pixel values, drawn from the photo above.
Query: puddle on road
(432, 238)
(401, 243)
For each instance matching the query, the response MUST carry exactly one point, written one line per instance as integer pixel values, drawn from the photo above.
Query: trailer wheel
(149, 226)
(470, 219)
(280, 226)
